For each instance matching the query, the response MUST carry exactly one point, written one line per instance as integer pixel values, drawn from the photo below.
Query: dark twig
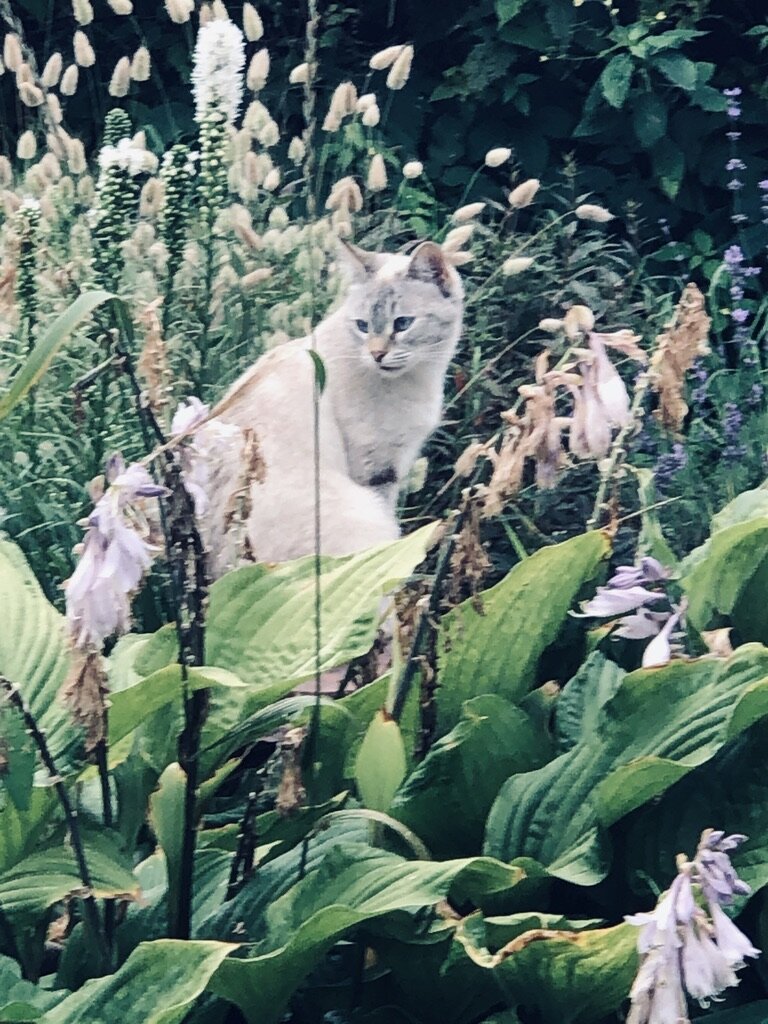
(90, 909)
(102, 765)
(242, 862)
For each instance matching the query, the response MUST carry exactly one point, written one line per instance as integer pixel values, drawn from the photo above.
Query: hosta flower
(687, 948)
(217, 74)
(659, 650)
(115, 556)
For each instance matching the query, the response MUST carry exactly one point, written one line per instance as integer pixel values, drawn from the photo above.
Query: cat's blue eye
(402, 323)
(362, 326)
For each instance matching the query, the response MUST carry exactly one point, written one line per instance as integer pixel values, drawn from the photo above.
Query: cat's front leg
(385, 483)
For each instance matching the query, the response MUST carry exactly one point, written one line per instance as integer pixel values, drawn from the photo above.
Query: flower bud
(385, 58)
(252, 23)
(69, 80)
(497, 157)
(272, 180)
(299, 75)
(121, 78)
(12, 55)
(365, 101)
(345, 195)
(84, 55)
(413, 169)
(6, 172)
(551, 325)
(400, 71)
(523, 194)
(26, 146)
(141, 65)
(255, 277)
(578, 320)
(296, 150)
(178, 11)
(371, 116)
(459, 258)
(52, 70)
(457, 237)
(269, 134)
(516, 265)
(468, 212)
(76, 156)
(54, 108)
(83, 11)
(30, 95)
(121, 6)
(258, 70)
(377, 174)
(24, 74)
(588, 211)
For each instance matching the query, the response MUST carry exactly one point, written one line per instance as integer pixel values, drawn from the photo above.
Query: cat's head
(402, 310)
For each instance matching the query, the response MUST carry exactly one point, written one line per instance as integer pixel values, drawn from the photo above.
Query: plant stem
(90, 909)
(242, 862)
(102, 765)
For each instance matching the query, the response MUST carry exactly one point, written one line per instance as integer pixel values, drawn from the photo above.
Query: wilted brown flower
(291, 793)
(152, 364)
(84, 691)
(681, 342)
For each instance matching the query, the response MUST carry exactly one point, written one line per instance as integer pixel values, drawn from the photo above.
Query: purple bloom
(609, 602)
(734, 164)
(733, 111)
(740, 315)
(736, 91)
(733, 256)
(733, 136)
(763, 185)
(670, 464)
(734, 185)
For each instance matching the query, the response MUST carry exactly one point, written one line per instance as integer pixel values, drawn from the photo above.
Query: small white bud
(272, 180)
(52, 70)
(219, 10)
(299, 75)
(255, 277)
(497, 157)
(30, 95)
(551, 325)
(371, 116)
(121, 78)
(252, 23)
(468, 212)
(377, 174)
(385, 58)
(457, 237)
(589, 211)
(524, 193)
(400, 71)
(26, 146)
(296, 150)
(76, 156)
(258, 70)
(69, 80)
(13, 58)
(83, 11)
(516, 265)
(84, 55)
(54, 108)
(578, 320)
(413, 169)
(368, 99)
(141, 65)
(121, 6)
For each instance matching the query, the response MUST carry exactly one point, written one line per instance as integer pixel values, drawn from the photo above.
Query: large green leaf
(353, 884)
(381, 763)
(615, 79)
(447, 797)
(34, 652)
(659, 725)
(48, 345)
(493, 643)
(156, 985)
(21, 1000)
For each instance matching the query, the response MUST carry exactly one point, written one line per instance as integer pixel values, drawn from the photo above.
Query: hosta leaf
(167, 816)
(381, 763)
(447, 797)
(156, 985)
(21, 1000)
(34, 652)
(578, 707)
(659, 725)
(493, 643)
(21, 831)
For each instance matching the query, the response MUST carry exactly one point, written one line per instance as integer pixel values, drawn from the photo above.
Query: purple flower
(735, 91)
(763, 185)
(670, 464)
(733, 256)
(659, 650)
(735, 185)
(734, 164)
(609, 602)
(733, 136)
(740, 315)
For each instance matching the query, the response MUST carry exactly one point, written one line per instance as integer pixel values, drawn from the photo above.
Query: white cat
(385, 351)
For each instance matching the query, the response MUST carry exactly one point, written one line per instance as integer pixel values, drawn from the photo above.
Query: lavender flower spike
(687, 947)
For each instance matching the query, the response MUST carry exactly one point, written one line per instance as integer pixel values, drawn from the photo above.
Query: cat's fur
(382, 399)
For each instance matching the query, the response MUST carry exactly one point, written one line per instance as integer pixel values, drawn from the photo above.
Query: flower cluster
(733, 261)
(627, 594)
(217, 74)
(688, 944)
(115, 555)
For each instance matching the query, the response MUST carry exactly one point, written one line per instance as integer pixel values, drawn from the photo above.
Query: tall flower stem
(90, 909)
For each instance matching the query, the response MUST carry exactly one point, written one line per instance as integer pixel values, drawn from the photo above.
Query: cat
(385, 351)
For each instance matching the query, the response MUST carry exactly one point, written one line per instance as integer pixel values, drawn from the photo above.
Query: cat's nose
(378, 354)
(378, 349)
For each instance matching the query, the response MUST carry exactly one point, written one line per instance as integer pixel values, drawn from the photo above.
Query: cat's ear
(357, 262)
(428, 263)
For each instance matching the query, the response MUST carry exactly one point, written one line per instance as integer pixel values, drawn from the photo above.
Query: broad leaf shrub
(183, 835)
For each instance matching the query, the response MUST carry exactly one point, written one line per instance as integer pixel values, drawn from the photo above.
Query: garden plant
(506, 769)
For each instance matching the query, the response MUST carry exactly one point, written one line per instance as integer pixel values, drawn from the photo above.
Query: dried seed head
(578, 320)
(681, 343)
(497, 157)
(551, 325)
(69, 80)
(371, 116)
(343, 103)
(252, 23)
(345, 195)
(400, 71)
(152, 198)
(516, 265)
(54, 107)
(179, 11)
(6, 172)
(588, 211)
(30, 95)
(86, 190)
(121, 6)
(50, 166)
(468, 212)
(141, 65)
(523, 195)
(413, 169)
(299, 75)
(457, 237)
(76, 156)
(24, 74)
(272, 180)
(57, 142)
(258, 70)
(121, 78)
(83, 11)
(368, 99)
(12, 55)
(219, 10)
(296, 150)
(84, 55)
(255, 277)
(377, 174)
(206, 14)
(385, 58)
(52, 70)
(269, 134)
